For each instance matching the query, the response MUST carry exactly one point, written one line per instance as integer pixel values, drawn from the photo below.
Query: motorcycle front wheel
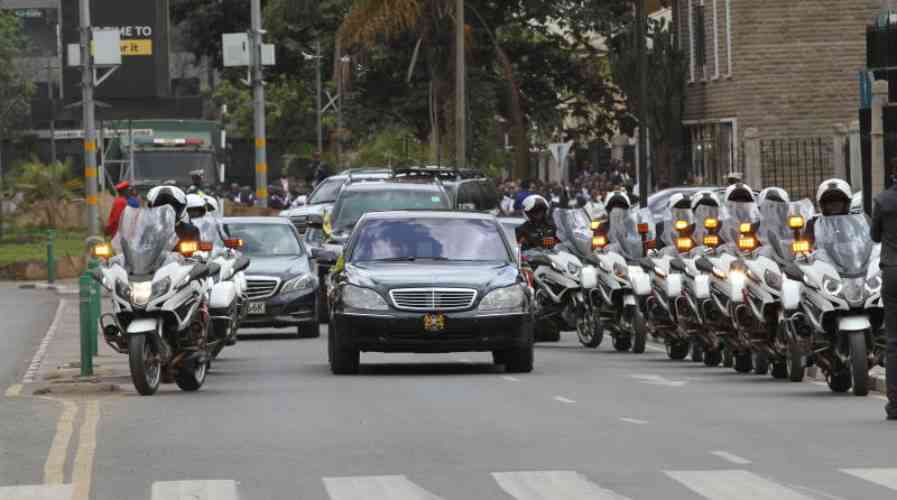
(640, 331)
(191, 376)
(859, 367)
(590, 330)
(145, 364)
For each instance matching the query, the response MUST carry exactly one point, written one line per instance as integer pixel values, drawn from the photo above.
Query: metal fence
(797, 165)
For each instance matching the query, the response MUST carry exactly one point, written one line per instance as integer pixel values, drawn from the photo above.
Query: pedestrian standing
(884, 231)
(118, 206)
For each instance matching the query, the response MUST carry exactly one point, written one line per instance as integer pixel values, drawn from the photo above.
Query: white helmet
(196, 206)
(739, 190)
(834, 190)
(167, 195)
(533, 202)
(704, 198)
(617, 199)
(211, 204)
(773, 194)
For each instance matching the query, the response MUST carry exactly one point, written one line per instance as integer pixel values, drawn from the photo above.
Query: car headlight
(364, 298)
(141, 292)
(873, 284)
(122, 290)
(832, 286)
(573, 268)
(503, 299)
(161, 287)
(304, 282)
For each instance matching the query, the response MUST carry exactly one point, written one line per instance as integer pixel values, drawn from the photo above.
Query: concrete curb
(79, 386)
(59, 289)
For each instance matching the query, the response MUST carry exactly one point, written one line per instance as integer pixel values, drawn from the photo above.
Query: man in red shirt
(118, 206)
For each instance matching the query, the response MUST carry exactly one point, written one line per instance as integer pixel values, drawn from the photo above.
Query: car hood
(388, 275)
(287, 265)
(306, 210)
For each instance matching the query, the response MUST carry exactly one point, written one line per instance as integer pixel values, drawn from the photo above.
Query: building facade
(787, 68)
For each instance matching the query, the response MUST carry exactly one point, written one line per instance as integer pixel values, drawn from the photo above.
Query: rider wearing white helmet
(833, 198)
(537, 230)
(196, 206)
(176, 199)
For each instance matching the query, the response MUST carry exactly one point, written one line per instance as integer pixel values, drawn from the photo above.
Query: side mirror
(199, 271)
(322, 255)
(315, 221)
(704, 265)
(241, 264)
(214, 269)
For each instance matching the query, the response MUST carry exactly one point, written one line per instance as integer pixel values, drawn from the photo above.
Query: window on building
(699, 39)
(713, 150)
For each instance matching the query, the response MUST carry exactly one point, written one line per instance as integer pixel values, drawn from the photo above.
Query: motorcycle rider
(884, 231)
(741, 207)
(705, 205)
(833, 198)
(772, 231)
(679, 210)
(538, 230)
(174, 197)
(622, 223)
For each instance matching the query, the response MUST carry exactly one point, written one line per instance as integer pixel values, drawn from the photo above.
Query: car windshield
(172, 165)
(264, 239)
(146, 237)
(430, 239)
(845, 242)
(353, 204)
(327, 191)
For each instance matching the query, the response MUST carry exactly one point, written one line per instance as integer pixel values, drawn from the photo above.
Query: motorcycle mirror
(704, 265)
(233, 243)
(241, 264)
(214, 269)
(199, 271)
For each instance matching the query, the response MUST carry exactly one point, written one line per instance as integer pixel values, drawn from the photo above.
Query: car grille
(261, 288)
(433, 299)
(300, 222)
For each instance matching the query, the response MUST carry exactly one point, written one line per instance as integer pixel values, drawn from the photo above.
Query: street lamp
(344, 60)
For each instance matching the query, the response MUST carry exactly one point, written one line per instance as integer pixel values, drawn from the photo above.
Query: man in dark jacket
(884, 231)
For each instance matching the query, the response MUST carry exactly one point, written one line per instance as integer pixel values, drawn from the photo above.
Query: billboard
(144, 29)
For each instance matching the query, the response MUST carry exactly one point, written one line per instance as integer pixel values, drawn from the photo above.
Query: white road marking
(38, 358)
(655, 348)
(881, 477)
(635, 421)
(562, 399)
(735, 459)
(37, 492)
(883, 398)
(465, 360)
(14, 390)
(734, 485)
(657, 380)
(552, 485)
(510, 378)
(195, 490)
(375, 488)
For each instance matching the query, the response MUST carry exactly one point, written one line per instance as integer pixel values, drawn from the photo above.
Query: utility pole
(318, 98)
(460, 93)
(640, 34)
(258, 98)
(90, 132)
(51, 89)
(340, 87)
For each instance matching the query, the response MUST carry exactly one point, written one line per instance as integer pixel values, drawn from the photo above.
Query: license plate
(434, 322)
(256, 308)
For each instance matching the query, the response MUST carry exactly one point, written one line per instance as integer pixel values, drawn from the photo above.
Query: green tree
(45, 185)
(15, 87)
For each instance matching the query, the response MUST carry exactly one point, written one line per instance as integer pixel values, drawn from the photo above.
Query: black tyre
(780, 370)
(743, 362)
(145, 364)
(322, 306)
(309, 330)
(839, 381)
(622, 343)
(728, 358)
(590, 331)
(518, 360)
(548, 330)
(761, 363)
(191, 375)
(796, 368)
(498, 357)
(640, 337)
(677, 349)
(343, 360)
(859, 366)
(697, 351)
(714, 357)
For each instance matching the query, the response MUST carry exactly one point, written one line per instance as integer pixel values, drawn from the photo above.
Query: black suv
(356, 199)
(430, 281)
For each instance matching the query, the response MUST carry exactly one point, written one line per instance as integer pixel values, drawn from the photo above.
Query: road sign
(235, 49)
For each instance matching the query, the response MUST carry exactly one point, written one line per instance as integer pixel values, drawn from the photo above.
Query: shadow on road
(430, 369)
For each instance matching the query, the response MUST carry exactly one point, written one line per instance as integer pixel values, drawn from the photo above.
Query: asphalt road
(273, 423)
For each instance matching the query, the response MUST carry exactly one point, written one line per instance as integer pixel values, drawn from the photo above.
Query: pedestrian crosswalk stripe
(375, 488)
(734, 485)
(552, 485)
(881, 477)
(195, 490)
(36, 492)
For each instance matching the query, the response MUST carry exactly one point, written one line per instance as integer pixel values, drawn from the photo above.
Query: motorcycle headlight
(503, 299)
(141, 292)
(363, 298)
(304, 282)
(832, 286)
(161, 287)
(122, 290)
(873, 284)
(573, 268)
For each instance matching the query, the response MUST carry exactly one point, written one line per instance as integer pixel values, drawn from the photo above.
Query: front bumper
(395, 331)
(285, 310)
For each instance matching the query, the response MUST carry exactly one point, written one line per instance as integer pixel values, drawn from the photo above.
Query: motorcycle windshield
(773, 224)
(845, 242)
(209, 230)
(738, 213)
(623, 233)
(669, 224)
(574, 228)
(146, 237)
(702, 213)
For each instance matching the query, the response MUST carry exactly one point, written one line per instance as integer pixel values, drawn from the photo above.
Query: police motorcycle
(727, 276)
(227, 302)
(574, 228)
(768, 296)
(556, 277)
(160, 299)
(841, 304)
(618, 286)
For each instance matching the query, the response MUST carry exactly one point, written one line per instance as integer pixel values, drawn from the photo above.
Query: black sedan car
(282, 281)
(430, 281)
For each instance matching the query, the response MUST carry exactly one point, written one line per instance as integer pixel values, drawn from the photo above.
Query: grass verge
(25, 245)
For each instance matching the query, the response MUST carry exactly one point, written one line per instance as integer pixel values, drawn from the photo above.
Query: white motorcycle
(160, 300)
(841, 305)
(558, 291)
